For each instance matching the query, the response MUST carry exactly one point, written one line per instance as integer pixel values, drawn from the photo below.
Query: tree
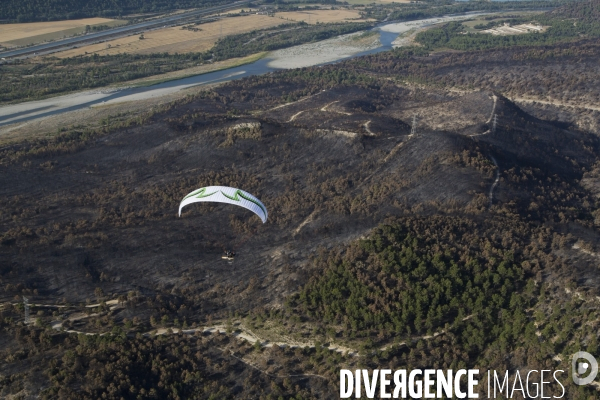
(99, 293)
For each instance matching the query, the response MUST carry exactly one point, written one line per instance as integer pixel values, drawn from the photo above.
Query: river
(22, 112)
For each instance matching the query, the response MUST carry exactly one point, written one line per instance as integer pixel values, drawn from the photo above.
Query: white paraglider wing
(225, 194)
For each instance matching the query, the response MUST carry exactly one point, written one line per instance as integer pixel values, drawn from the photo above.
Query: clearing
(177, 39)
(322, 16)
(36, 32)
(485, 19)
(515, 30)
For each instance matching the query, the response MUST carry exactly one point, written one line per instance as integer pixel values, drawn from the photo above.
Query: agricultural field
(178, 39)
(35, 32)
(322, 16)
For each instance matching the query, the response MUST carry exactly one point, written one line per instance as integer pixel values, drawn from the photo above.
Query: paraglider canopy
(225, 194)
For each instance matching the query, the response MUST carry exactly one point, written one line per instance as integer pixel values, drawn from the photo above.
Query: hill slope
(454, 242)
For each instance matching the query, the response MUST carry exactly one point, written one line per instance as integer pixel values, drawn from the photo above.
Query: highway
(114, 33)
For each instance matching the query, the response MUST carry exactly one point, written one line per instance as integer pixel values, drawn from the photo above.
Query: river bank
(379, 39)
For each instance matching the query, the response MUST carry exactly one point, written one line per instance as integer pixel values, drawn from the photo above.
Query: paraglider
(229, 256)
(229, 195)
(225, 194)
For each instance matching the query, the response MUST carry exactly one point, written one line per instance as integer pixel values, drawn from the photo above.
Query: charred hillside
(105, 215)
(420, 216)
(329, 166)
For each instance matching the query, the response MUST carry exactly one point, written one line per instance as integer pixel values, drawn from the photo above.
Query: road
(114, 33)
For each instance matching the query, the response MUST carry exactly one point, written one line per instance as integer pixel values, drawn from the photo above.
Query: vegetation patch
(281, 37)
(542, 29)
(408, 279)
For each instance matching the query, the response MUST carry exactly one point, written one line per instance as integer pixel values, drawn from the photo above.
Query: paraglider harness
(229, 255)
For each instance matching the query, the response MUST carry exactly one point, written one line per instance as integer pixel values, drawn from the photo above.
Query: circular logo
(579, 368)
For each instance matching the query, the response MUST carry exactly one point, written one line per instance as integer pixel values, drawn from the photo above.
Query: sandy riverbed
(14, 112)
(33, 108)
(155, 93)
(322, 52)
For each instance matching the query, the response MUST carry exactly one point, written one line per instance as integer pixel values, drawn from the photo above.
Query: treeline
(415, 276)
(54, 10)
(452, 35)
(588, 11)
(280, 37)
(34, 80)
(412, 12)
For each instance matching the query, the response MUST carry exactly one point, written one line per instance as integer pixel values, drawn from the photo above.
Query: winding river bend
(22, 112)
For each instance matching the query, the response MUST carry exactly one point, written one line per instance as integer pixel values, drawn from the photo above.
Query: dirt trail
(326, 106)
(578, 246)
(324, 109)
(38, 305)
(240, 332)
(245, 334)
(493, 109)
(396, 148)
(367, 126)
(57, 325)
(392, 152)
(495, 181)
(490, 118)
(306, 221)
(293, 102)
(108, 303)
(295, 115)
